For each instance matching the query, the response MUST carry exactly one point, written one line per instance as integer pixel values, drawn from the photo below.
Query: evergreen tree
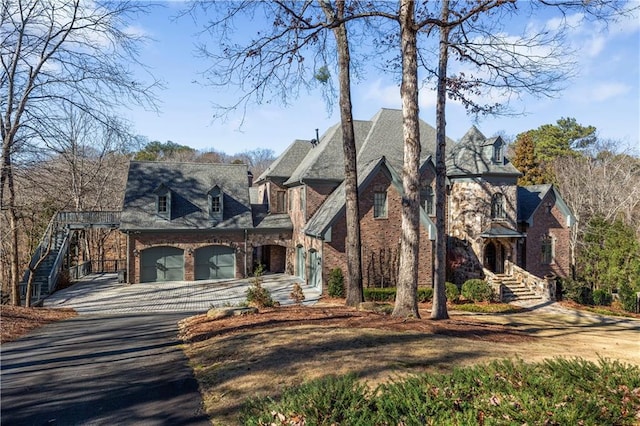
(610, 259)
(525, 160)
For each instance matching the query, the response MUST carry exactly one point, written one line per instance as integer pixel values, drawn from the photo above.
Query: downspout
(128, 280)
(245, 253)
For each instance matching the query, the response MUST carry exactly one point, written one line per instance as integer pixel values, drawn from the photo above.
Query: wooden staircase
(514, 290)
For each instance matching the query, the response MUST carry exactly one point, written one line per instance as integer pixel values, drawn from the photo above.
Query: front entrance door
(494, 257)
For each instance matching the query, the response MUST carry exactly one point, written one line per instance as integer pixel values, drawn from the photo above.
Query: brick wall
(380, 240)
(189, 242)
(552, 223)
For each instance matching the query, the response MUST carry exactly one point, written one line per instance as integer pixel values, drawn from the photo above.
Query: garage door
(215, 262)
(162, 264)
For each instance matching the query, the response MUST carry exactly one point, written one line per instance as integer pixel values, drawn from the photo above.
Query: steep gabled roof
(386, 139)
(325, 161)
(189, 184)
(530, 199)
(473, 156)
(334, 206)
(284, 166)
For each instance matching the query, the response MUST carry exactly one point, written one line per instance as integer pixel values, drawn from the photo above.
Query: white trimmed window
(548, 250)
(380, 205)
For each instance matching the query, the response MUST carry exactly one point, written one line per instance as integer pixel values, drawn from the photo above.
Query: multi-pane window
(428, 200)
(497, 153)
(216, 204)
(163, 205)
(497, 206)
(547, 250)
(380, 204)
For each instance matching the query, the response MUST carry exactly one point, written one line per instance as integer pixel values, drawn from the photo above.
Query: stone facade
(470, 216)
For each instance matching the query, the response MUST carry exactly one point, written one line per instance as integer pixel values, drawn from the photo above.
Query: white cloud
(387, 95)
(605, 91)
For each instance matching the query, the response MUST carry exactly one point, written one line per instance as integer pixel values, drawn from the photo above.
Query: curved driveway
(118, 362)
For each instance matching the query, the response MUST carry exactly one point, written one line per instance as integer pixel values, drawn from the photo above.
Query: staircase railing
(544, 287)
(48, 242)
(495, 282)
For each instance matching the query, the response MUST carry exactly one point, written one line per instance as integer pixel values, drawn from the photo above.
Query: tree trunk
(406, 298)
(14, 272)
(354, 291)
(439, 309)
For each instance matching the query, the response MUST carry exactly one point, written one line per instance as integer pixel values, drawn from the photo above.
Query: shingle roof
(386, 139)
(473, 156)
(189, 184)
(326, 160)
(287, 162)
(262, 219)
(529, 198)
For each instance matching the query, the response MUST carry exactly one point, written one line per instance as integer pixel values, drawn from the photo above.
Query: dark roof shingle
(189, 184)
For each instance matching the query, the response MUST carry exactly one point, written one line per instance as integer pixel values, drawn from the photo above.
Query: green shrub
(627, 293)
(388, 294)
(375, 294)
(336, 283)
(602, 297)
(477, 290)
(576, 291)
(327, 401)
(257, 295)
(452, 292)
(557, 391)
(425, 294)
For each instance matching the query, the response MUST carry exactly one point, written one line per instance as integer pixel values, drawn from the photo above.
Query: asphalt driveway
(118, 362)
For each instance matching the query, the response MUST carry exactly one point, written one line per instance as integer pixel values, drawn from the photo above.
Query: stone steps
(513, 290)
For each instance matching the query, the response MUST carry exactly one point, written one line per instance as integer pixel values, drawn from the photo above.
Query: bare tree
(273, 66)
(56, 53)
(602, 184)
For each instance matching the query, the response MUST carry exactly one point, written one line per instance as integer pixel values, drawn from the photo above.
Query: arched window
(497, 206)
(497, 153)
(216, 203)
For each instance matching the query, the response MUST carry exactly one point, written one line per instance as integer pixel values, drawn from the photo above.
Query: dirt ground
(246, 356)
(16, 321)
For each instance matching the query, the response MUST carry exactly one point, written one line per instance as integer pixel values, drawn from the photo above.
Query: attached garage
(161, 264)
(215, 263)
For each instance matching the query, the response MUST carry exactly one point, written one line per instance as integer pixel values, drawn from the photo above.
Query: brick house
(195, 221)
(207, 221)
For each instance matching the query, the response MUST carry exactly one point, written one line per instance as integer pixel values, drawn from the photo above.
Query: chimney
(250, 176)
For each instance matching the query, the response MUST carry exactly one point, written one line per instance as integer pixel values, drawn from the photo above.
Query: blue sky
(605, 93)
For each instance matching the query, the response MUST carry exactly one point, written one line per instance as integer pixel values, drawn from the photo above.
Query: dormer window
(216, 203)
(498, 156)
(163, 201)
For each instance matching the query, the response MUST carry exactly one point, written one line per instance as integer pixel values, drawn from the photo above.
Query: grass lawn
(250, 356)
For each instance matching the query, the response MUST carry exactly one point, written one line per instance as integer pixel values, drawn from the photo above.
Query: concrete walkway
(119, 362)
(102, 294)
